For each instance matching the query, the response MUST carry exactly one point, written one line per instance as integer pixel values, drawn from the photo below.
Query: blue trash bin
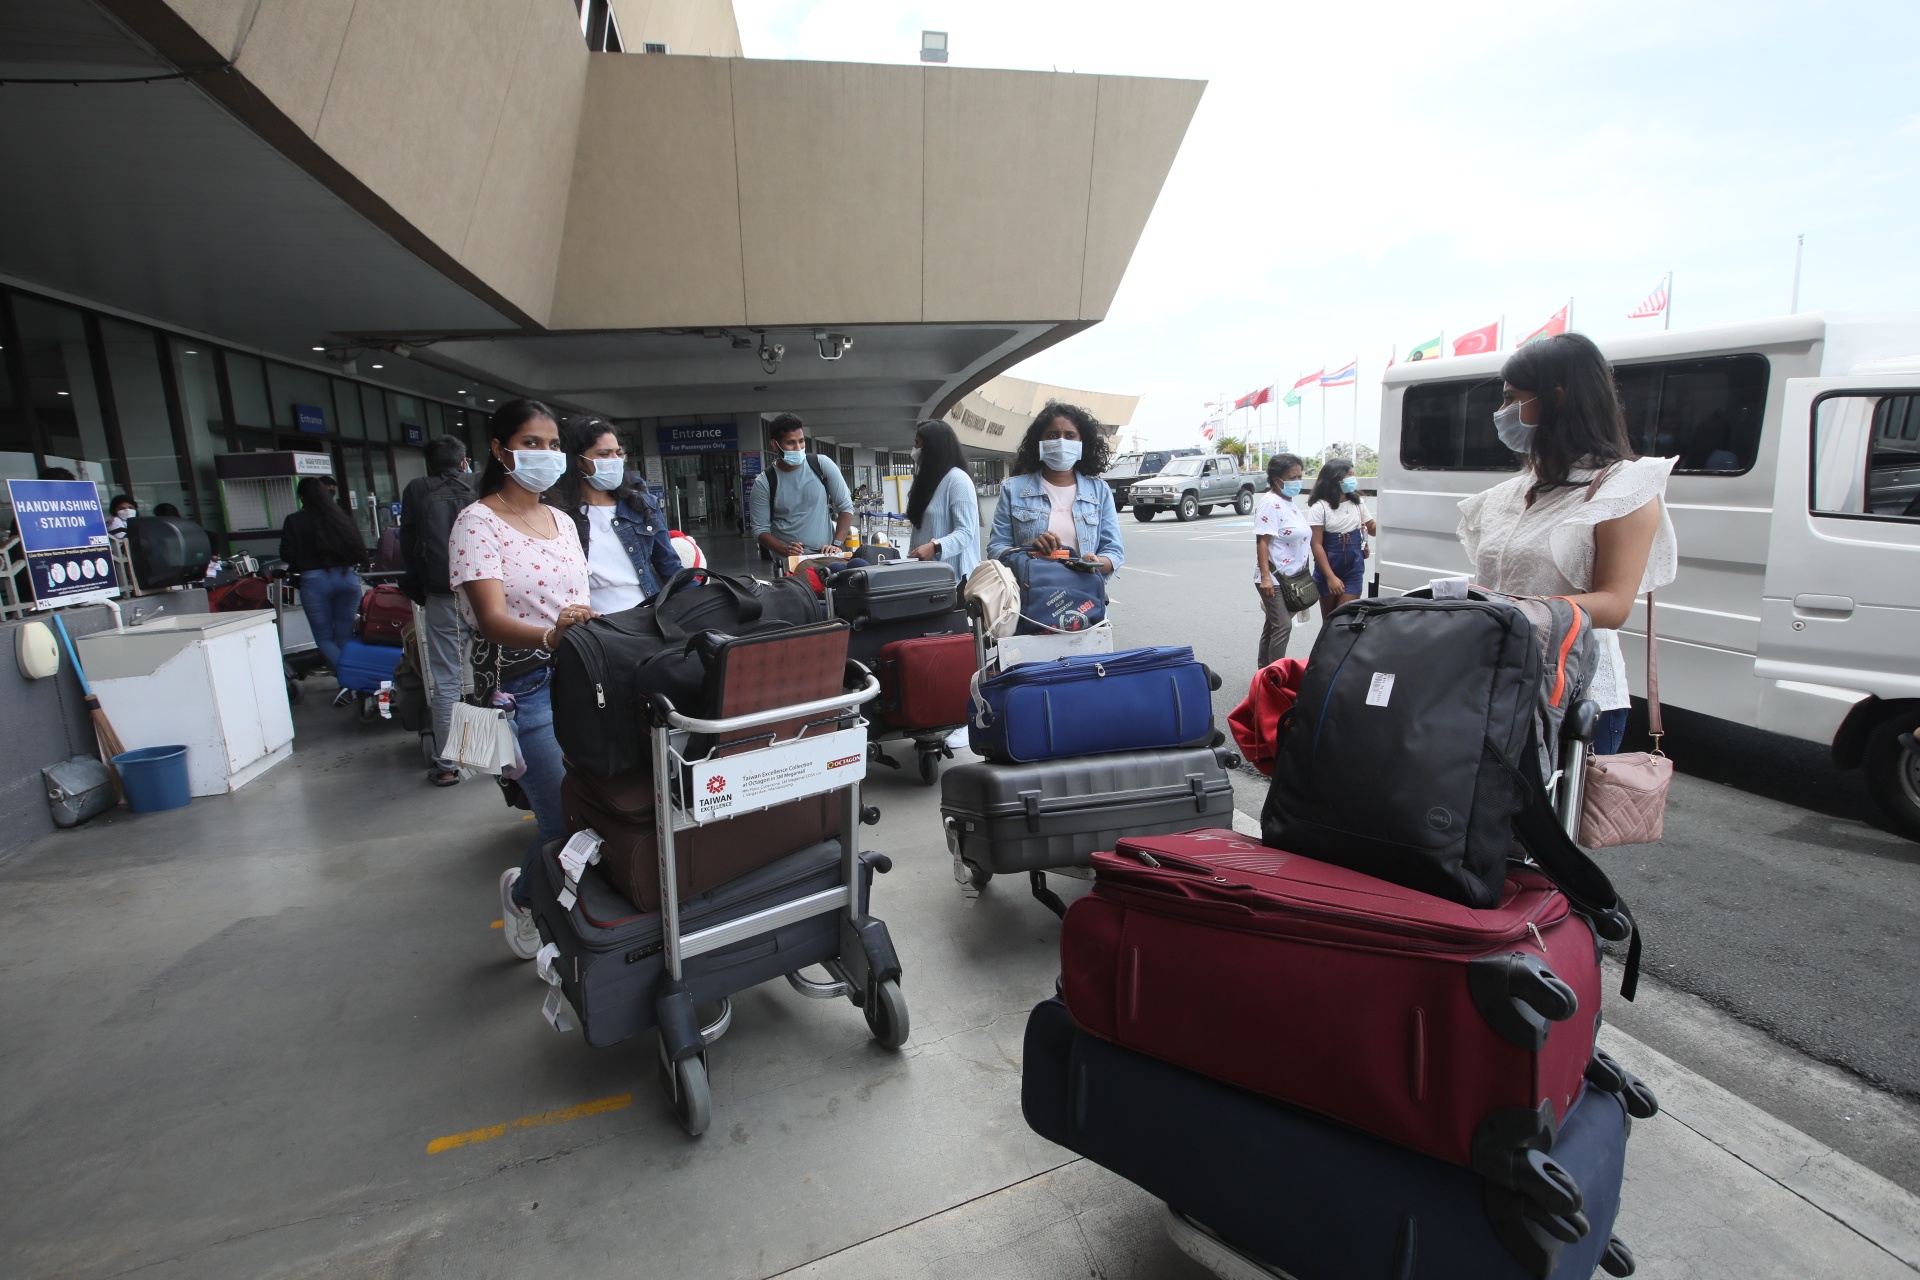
(154, 778)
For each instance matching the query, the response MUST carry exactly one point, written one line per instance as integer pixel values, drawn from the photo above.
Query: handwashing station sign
(63, 534)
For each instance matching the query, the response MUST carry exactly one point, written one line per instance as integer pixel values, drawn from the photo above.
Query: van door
(1840, 615)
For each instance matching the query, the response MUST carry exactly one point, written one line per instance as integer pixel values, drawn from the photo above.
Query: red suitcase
(1462, 1033)
(924, 682)
(385, 612)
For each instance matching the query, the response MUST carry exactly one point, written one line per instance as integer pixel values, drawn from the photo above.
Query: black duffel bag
(603, 672)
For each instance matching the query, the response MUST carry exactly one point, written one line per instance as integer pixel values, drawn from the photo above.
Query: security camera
(832, 345)
(771, 355)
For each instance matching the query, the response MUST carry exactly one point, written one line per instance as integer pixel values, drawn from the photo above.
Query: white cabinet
(210, 681)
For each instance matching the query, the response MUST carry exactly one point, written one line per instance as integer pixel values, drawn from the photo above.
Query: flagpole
(1569, 315)
(1353, 423)
(1666, 316)
(1500, 333)
(1799, 244)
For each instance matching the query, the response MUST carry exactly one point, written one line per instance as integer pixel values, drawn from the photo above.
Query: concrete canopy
(467, 179)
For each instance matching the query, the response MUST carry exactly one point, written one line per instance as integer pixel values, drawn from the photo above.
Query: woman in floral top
(522, 580)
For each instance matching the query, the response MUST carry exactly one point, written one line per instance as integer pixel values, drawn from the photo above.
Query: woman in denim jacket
(630, 553)
(1054, 499)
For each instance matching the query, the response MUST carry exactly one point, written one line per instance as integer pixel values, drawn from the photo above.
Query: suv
(1191, 487)
(1129, 469)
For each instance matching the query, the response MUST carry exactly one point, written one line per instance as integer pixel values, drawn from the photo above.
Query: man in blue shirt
(788, 510)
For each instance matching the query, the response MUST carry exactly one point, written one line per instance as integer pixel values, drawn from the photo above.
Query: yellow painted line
(497, 924)
(564, 1114)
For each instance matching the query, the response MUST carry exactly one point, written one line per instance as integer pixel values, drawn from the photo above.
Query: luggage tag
(581, 851)
(1449, 588)
(554, 1008)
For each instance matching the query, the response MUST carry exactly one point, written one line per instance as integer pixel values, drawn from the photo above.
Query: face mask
(794, 457)
(1349, 485)
(607, 472)
(126, 513)
(1059, 455)
(916, 459)
(1513, 433)
(1291, 488)
(535, 470)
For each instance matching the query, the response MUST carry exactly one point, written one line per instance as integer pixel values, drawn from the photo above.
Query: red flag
(1556, 324)
(1254, 399)
(1486, 338)
(1312, 379)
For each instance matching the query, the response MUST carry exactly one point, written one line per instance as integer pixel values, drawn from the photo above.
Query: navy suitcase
(363, 666)
(1311, 1197)
(865, 643)
(1092, 704)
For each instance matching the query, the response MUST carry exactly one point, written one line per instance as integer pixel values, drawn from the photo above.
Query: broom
(103, 731)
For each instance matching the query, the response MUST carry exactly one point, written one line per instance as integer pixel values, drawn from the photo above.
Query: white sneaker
(523, 935)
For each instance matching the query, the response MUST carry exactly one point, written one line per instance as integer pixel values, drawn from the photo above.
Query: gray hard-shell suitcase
(611, 959)
(78, 789)
(895, 590)
(1032, 817)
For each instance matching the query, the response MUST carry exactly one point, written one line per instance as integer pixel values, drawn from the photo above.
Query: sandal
(443, 777)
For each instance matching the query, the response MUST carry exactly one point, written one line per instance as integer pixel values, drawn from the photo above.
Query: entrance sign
(723, 435)
(63, 535)
(310, 419)
(761, 779)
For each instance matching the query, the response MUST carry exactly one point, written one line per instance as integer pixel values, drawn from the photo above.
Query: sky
(1361, 176)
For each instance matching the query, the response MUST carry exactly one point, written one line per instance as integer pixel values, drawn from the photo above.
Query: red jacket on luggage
(1256, 721)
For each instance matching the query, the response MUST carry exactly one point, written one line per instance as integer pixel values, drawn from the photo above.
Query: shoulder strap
(813, 463)
(1599, 478)
(1655, 729)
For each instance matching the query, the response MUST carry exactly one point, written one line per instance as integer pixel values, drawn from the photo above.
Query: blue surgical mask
(1350, 485)
(794, 457)
(1291, 488)
(1059, 455)
(1513, 433)
(607, 473)
(535, 470)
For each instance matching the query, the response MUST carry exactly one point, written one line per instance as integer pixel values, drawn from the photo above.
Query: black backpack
(1416, 747)
(423, 541)
(605, 670)
(772, 474)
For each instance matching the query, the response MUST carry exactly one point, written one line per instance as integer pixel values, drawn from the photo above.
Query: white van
(1796, 499)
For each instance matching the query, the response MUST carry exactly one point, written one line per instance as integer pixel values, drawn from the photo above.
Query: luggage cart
(866, 970)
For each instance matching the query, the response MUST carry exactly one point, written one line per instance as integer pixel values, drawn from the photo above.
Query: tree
(1232, 445)
(1367, 464)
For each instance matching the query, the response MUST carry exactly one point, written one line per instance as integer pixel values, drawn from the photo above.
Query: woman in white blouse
(1341, 526)
(1281, 542)
(1586, 518)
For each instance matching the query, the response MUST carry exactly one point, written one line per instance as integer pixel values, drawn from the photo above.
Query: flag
(1291, 399)
(1206, 431)
(1428, 350)
(1655, 303)
(1485, 338)
(1254, 399)
(1317, 376)
(1343, 377)
(1556, 324)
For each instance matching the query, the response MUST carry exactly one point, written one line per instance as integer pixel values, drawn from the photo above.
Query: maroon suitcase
(924, 682)
(385, 612)
(620, 809)
(1459, 1032)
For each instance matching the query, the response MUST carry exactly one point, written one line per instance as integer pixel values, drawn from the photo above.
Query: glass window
(194, 374)
(373, 405)
(247, 382)
(353, 485)
(1866, 456)
(61, 388)
(16, 438)
(384, 495)
(291, 386)
(1448, 426)
(146, 425)
(402, 410)
(1706, 412)
(346, 409)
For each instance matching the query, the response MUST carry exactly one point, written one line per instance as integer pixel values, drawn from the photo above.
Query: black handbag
(604, 670)
(1299, 593)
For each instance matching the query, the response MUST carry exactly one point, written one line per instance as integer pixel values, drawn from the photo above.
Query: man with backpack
(427, 511)
(789, 508)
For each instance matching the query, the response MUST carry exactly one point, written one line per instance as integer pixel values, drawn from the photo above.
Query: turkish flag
(1311, 379)
(1483, 339)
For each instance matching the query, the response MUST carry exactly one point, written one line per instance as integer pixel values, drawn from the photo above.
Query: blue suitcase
(1055, 596)
(1310, 1197)
(363, 666)
(1092, 704)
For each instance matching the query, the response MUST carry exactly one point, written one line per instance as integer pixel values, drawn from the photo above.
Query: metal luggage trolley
(866, 970)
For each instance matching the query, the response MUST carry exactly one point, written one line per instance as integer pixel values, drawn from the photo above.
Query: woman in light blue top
(1055, 499)
(942, 504)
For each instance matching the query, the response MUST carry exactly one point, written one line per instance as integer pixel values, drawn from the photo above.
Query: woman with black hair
(323, 548)
(1586, 519)
(1341, 525)
(942, 504)
(630, 553)
(517, 565)
(1054, 500)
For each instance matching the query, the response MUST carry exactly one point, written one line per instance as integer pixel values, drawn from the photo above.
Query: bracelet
(546, 639)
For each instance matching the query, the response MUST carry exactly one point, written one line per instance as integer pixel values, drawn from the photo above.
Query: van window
(1448, 426)
(1707, 412)
(1866, 456)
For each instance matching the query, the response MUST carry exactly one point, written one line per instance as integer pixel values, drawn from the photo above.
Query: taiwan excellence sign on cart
(63, 535)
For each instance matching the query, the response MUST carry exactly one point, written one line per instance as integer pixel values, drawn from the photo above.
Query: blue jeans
(331, 599)
(533, 721)
(1610, 732)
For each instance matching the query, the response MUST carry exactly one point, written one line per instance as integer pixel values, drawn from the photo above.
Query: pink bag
(1624, 797)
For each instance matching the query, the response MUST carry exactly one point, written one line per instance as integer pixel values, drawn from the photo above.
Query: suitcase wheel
(886, 1011)
(1618, 1259)
(929, 766)
(685, 1083)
